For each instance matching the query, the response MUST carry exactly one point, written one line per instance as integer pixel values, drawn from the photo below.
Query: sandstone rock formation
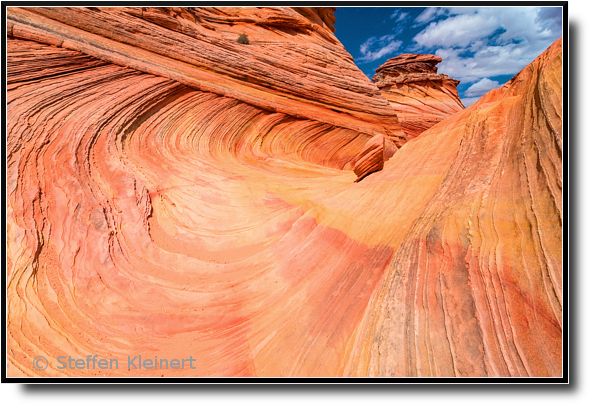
(164, 204)
(372, 157)
(420, 96)
(475, 286)
(289, 65)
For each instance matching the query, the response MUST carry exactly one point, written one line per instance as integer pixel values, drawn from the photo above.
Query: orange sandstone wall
(293, 63)
(164, 209)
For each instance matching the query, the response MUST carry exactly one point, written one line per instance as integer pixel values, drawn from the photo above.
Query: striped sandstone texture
(174, 193)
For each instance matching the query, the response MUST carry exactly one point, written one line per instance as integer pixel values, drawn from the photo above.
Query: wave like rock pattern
(421, 97)
(156, 214)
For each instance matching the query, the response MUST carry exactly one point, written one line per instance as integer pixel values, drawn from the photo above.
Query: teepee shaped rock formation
(421, 97)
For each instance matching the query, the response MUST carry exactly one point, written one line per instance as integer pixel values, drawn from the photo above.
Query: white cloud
(487, 62)
(399, 16)
(402, 16)
(469, 101)
(482, 87)
(429, 14)
(477, 42)
(375, 48)
(549, 18)
(457, 31)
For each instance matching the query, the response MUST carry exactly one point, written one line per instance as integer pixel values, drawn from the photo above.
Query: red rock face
(161, 206)
(421, 97)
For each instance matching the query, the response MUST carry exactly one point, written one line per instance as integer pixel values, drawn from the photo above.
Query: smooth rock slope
(177, 201)
(475, 287)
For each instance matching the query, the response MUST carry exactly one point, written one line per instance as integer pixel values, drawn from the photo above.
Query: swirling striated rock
(420, 96)
(148, 216)
(292, 64)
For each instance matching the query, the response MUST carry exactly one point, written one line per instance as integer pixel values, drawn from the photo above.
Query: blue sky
(483, 47)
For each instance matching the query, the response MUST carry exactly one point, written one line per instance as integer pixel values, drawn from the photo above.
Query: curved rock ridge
(148, 216)
(475, 287)
(420, 96)
(292, 64)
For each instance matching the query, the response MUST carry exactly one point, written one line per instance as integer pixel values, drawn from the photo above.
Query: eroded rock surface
(373, 156)
(475, 287)
(420, 96)
(158, 205)
(293, 63)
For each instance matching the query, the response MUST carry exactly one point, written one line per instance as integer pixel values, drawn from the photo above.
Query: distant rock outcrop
(420, 96)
